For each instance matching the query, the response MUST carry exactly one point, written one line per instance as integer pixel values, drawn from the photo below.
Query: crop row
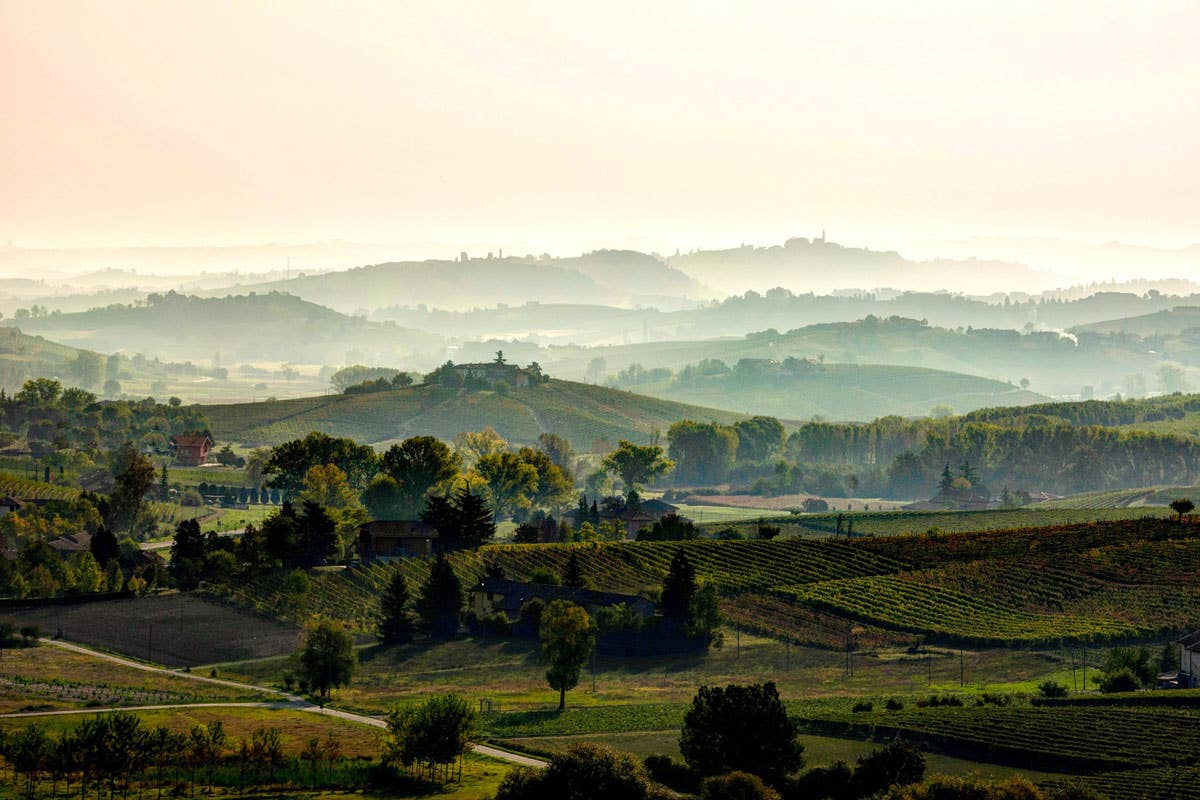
(1087, 738)
(1176, 783)
(894, 602)
(26, 489)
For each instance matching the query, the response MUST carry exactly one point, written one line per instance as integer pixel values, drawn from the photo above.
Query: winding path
(286, 701)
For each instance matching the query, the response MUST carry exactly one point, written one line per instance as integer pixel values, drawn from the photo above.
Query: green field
(593, 418)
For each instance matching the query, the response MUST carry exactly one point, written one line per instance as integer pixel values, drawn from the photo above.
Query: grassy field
(176, 629)
(593, 418)
(509, 673)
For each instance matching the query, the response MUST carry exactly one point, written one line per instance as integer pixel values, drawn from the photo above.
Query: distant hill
(240, 328)
(1055, 364)
(613, 277)
(1162, 323)
(844, 392)
(593, 418)
(804, 264)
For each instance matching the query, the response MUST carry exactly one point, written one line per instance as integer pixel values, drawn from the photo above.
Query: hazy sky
(567, 125)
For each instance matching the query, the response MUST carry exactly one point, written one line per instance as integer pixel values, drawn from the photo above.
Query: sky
(567, 126)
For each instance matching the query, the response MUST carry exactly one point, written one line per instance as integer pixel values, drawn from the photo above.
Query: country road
(287, 701)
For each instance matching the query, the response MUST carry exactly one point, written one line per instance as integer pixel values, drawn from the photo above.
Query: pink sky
(567, 126)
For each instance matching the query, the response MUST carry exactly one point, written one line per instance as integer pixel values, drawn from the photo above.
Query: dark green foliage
(758, 438)
(104, 545)
(396, 621)
(670, 528)
(1138, 660)
(703, 452)
(290, 462)
(463, 521)
(134, 475)
(441, 602)
(1120, 680)
(740, 728)
(417, 465)
(1052, 690)
(584, 772)
(526, 533)
(187, 554)
(736, 786)
(897, 764)
(436, 733)
(679, 588)
(573, 575)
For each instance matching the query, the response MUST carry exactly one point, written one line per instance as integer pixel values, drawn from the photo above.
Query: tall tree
(511, 481)
(559, 450)
(573, 574)
(758, 438)
(441, 602)
(554, 485)
(567, 637)
(418, 465)
(187, 554)
(317, 538)
(679, 588)
(104, 545)
(637, 465)
(740, 728)
(134, 476)
(396, 621)
(703, 451)
(327, 656)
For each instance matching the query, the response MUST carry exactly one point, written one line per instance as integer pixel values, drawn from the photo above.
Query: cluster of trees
(230, 495)
(429, 739)
(114, 752)
(423, 475)
(53, 418)
(359, 379)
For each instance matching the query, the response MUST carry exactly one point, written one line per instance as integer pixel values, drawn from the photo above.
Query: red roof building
(191, 449)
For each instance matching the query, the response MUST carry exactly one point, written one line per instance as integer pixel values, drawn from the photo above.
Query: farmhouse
(493, 373)
(9, 504)
(383, 539)
(191, 449)
(633, 517)
(1188, 674)
(72, 543)
(507, 596)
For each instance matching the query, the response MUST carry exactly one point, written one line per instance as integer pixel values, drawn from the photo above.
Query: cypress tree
(441, 601)
(679, 587)
(396, 622)
(573, 575)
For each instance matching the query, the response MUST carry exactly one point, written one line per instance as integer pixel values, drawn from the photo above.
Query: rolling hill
(251, 328)
(1170, 321)
(593, 418)
(845, 392)
(616, 277)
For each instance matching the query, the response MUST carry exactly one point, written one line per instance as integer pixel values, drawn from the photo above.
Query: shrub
(544, 575)
(737, 786)
(1050, 689)
(1123, 680)
(584, 772)
(862, 706)
(672, 773)
(893, 704)
(191, 498)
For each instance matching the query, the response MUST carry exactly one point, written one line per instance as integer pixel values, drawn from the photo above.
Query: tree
(583, 772)
(510, 480)
(396, 621)
(740, 728)
(89, 577)
(436, 733)
(187, 554)
(897, 764)
(317, 538)
(134, 475)
(88, 369)
(758, 438)
(637, 465)
(39, 392)
(671, 528)
(290, 462)
(679, 588)
(573, 575)
(462, 520)
(559, 450)
(383, 499)
(281, 534)
(474, 445)
(554, 486)
(164, 484)
(418, 465)
(703, 452)
(441, 602)
(327, 656)
(104, 546)
(567, 637)
(1182, 507)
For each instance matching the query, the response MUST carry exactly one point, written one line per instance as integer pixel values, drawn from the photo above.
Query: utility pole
(150, 645)
(962, 669)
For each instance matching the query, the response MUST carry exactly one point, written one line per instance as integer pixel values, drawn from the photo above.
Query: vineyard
(1061, 739)
(26, 489)
(1095, 582)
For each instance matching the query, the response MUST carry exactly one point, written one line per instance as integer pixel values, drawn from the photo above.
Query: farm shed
(395, 538)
